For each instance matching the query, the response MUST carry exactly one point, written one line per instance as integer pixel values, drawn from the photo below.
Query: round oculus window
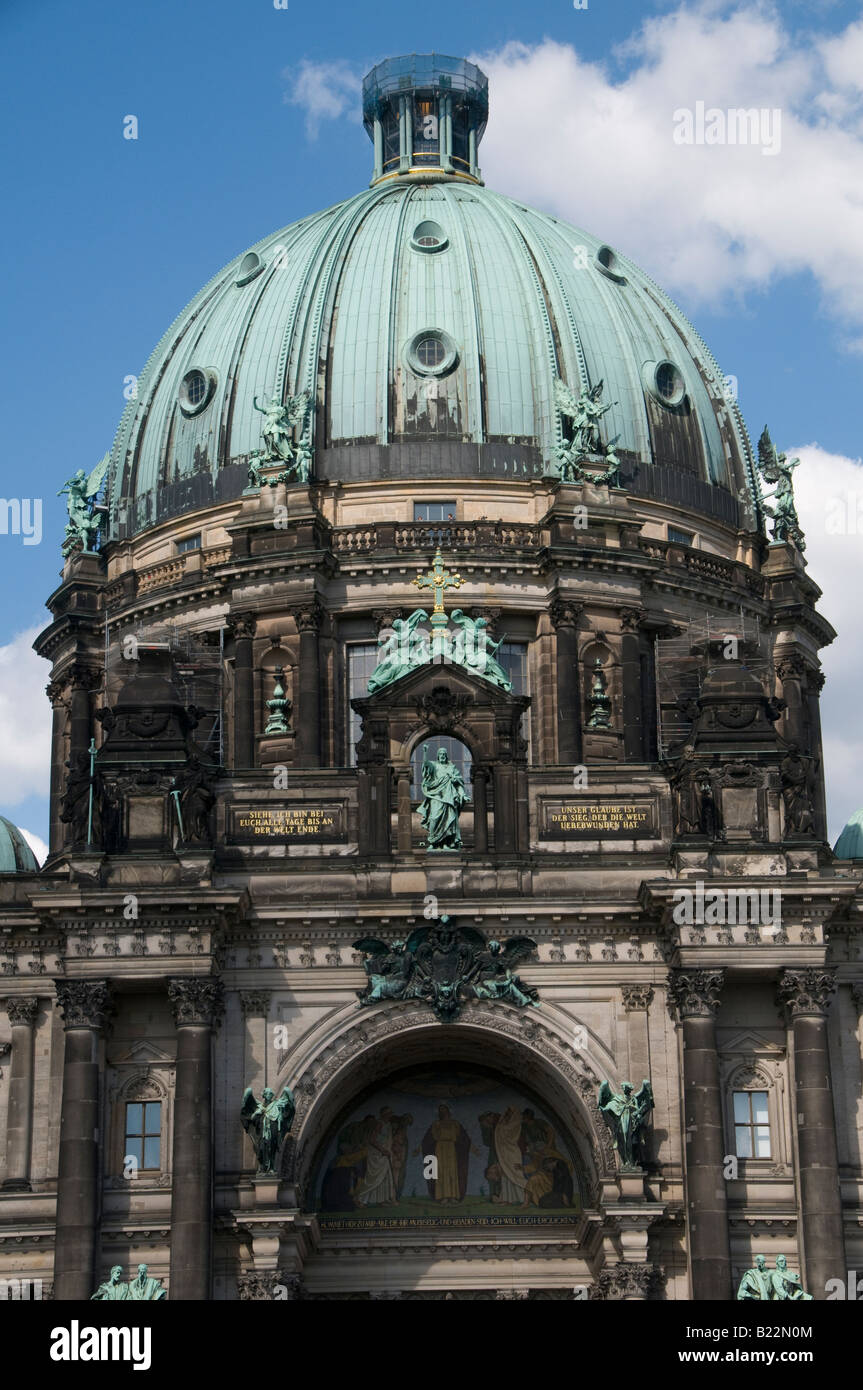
(664, 381)
(606, 261)
(432, 353)
(429, 236)
(250, 266)
(196, 390)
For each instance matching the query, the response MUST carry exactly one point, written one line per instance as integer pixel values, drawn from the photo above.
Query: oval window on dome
(250, 266)
(196, 389)
(432, 353)
(664, 381)
(429, 236)
(606, 260)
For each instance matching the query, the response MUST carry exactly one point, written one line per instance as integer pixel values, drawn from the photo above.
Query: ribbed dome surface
(16, 856)
(345, 303)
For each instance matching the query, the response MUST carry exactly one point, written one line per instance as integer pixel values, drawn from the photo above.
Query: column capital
(695, 993)
(384, 617)
(624, 1281)
(805, 993)
(241, 624)
(636, 997)
(630, 619)
(308, 616)
(84, 1003)
(83, 677)
(22, 1010)
(791, 667)
(565, 612)
(255, 1003)
(196, 999)
(857, 994)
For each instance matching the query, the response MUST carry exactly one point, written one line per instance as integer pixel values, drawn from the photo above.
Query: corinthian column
(242, 625)
(695, 997)
(19, 1126)
(805, 997)
(86, 1007)
(198, 1005)
(308, 620)
(564, 616)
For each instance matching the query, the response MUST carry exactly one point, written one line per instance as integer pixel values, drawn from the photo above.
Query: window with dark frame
(143, 1140)
(751, 1125)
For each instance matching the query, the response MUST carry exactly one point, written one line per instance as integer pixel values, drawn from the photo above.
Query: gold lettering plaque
(291, 823)
(597, 820)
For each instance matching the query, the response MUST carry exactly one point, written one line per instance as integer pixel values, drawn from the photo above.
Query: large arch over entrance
(552, 1254)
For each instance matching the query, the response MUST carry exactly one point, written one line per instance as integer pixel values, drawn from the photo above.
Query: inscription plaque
(291, 823)
(597, 820)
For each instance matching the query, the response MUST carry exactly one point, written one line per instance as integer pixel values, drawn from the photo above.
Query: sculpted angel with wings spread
(280, 421)
(625, 1115)
(267, 1121)
(84, 516)
(493, 977)
(776, 468)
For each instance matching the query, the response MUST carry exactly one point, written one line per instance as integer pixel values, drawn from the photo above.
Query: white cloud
(709, 221)
(326, 91)
(25, 721)
(37, 844)
(829, 496)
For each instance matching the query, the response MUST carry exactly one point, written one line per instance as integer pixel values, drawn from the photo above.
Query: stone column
(695, 997)
(405, 836)
(242, 625)
(564, 616)
(57, 694)
(255, 1005)
(19, 1126)
(198, 1004)
(82, 680)
(308, 721)
(636, 1001)
(630, 660)
(86, 1006)
(479, 778)
(805, 997)
(791, 671)
(814, 686)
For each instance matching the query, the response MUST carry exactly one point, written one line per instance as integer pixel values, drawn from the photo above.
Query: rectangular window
(189, 543)
(144, 1133)
(512, 656)
(680, 537)
(751, 1125)
(362, 658)
(434, 511)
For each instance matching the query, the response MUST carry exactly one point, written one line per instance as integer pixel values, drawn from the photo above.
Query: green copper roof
(850, 842)
(16, 856)
(340, 304)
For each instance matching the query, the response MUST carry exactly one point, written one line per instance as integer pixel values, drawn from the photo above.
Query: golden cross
(438, 579)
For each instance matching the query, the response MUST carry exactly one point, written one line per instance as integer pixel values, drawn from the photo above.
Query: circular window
(606, 261)
(429, 236)
(432, 353)
(196, 389)
(665, 382)
(250, 266)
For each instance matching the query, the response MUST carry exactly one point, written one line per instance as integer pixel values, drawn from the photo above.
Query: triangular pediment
(458, 680)
(143, 1053)
(749, 1042)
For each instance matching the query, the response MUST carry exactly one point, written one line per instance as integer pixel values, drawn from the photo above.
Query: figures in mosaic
(267, 1122)
(625, 1112)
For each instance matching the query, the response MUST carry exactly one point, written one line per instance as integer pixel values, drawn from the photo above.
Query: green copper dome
(428, 318)
(850, 842)
(16, 856)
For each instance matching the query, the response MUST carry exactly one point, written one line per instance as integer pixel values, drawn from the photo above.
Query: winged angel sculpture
(625, 1114)
(585, 412)
(444, 964)
(777, 469)
(282, 421)
(267, 1121)
(85, 516)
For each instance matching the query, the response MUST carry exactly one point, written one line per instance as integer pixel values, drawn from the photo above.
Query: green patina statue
(285, 442)
(85, 517)
(407, 646)
(776, 469)
(278, 705)
(774, 1285)
(599, 702)
(444, 795)
(625, 1114)
(585, 446)
(141, 1289)
(267, 1122)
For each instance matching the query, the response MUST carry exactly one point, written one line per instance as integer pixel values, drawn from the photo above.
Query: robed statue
(267, 1122)
(776, 469)
(444, 795)
(625, 1114)
(114, 1289)
(755, 1284)
(771, 1285)
(145, 1289)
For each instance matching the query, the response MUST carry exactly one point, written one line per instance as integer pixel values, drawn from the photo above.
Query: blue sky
(105, 239)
